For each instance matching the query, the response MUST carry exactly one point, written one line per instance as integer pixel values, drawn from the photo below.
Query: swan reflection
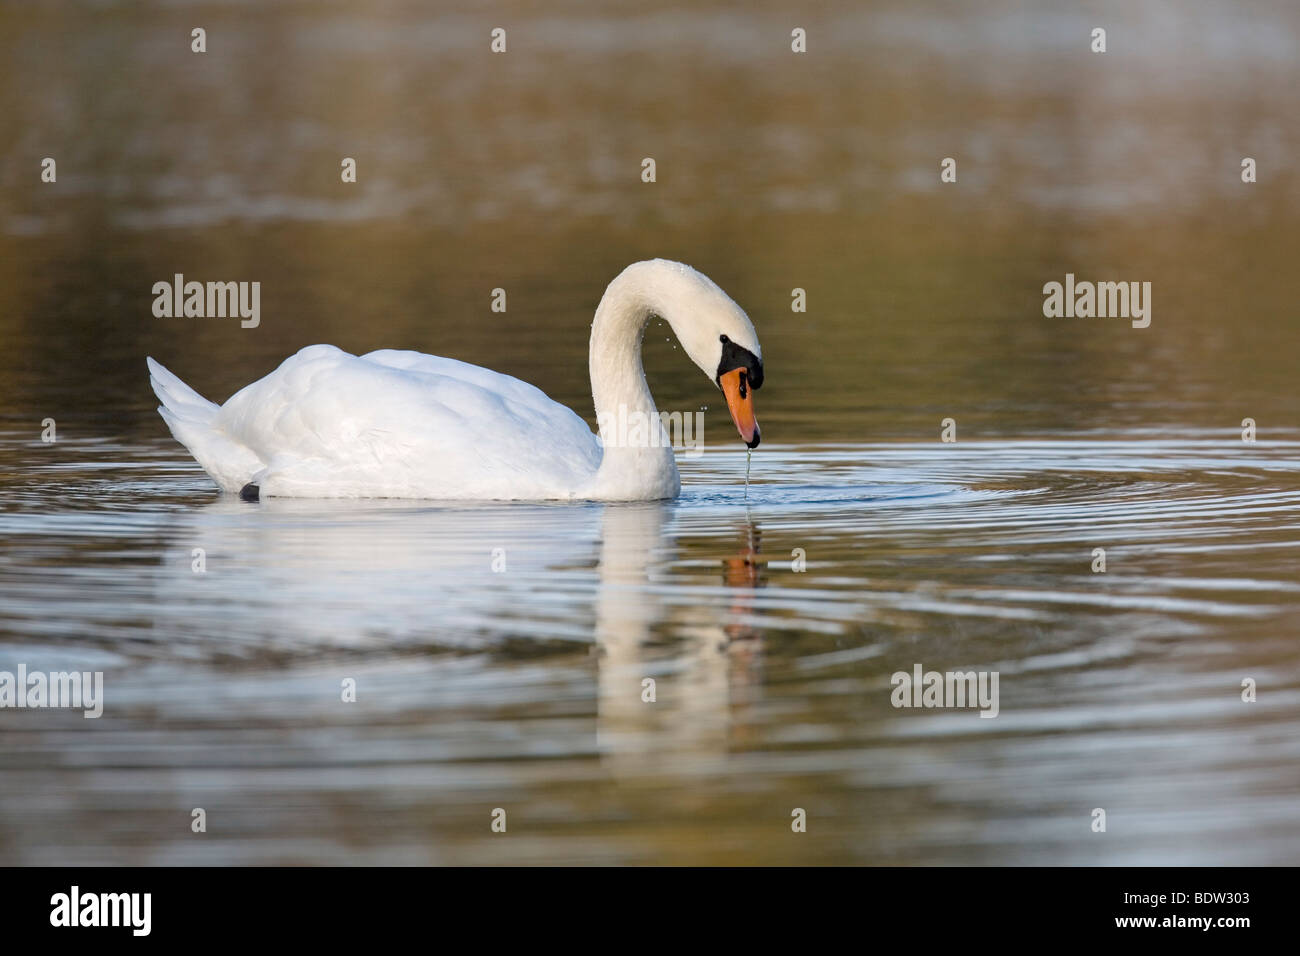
(294, 578)
(705, 677)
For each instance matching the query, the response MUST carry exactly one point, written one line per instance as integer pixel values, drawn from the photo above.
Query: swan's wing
(330, 424)
(565, 425)
(517, 391)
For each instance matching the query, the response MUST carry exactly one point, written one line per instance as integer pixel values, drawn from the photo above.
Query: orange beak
(740, 401)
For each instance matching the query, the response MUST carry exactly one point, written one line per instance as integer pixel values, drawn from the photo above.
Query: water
(521, 687)
(499, 651)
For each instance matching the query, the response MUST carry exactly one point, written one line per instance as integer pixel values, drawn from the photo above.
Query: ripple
(771, 617)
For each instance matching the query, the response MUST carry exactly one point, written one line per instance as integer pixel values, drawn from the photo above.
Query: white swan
(397, 424)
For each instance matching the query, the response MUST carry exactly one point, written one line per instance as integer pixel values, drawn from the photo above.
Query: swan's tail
(192, 420)
(180, 403)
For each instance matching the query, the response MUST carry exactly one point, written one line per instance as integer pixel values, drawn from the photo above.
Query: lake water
(499, 651)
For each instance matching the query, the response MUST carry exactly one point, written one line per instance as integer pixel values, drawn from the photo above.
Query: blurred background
(775, 170)
(522, 171)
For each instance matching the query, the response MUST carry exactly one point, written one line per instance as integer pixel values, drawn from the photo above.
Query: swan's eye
(736, 357)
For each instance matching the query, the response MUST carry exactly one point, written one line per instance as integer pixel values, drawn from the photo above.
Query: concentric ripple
(502, 648)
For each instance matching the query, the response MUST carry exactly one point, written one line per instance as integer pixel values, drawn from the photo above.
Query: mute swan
(399, 424)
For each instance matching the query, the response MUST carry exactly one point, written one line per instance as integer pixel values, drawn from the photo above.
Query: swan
(402, 424)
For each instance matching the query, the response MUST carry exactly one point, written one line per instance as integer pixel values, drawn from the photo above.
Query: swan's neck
(638, 457)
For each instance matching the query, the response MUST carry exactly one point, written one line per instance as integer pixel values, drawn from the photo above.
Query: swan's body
(390, 424)
(397, 424)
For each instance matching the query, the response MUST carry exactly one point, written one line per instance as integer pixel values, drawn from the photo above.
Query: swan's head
(714, 332)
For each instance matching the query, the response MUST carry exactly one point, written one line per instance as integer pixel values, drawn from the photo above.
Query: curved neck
(638, 456)
(614, 360)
